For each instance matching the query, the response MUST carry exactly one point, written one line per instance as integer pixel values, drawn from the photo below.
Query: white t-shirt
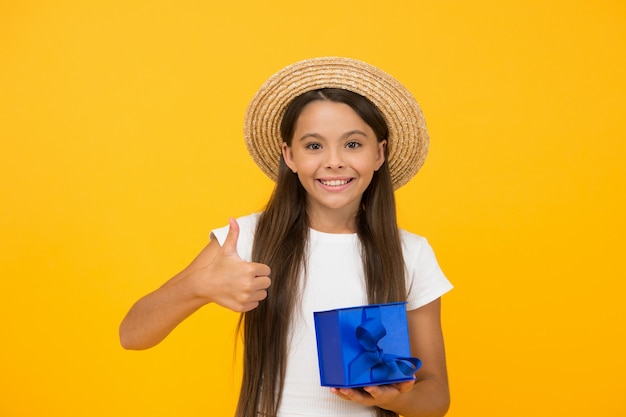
(335, 279)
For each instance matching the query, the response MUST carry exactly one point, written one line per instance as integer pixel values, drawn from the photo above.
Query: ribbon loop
(380, 366)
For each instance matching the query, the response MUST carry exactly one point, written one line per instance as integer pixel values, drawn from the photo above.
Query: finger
(373, 390)
(259, 295)
(377, 390)
(339, 394)
(405, 386)
(354, 394)
(258, 291)
(250, 306)
(262, 283)
(230, 243)
(260, 270)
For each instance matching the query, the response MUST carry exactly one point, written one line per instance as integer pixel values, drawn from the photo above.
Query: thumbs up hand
(234, 283)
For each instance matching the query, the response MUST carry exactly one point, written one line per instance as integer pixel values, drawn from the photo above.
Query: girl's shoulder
(417, 249)
(412, 240)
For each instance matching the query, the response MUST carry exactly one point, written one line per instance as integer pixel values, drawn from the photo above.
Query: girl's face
(334, 153)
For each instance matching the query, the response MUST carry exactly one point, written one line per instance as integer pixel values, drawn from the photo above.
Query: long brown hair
(280, 241)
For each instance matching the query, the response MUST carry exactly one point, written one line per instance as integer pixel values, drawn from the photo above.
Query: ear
(380, 154)
(288, 157)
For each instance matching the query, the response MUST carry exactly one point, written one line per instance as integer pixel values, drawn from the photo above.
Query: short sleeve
(425, 280)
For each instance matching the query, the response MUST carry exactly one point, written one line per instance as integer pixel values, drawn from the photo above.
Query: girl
(338, 136)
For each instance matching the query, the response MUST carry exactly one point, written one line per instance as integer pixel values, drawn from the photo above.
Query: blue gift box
(365, 345)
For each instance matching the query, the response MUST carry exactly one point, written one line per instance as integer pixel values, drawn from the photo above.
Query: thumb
(230, 243)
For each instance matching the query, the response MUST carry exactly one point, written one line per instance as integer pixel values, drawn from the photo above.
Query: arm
(429, 396)
(216, 275)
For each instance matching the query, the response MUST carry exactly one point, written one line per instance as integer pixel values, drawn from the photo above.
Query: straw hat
(408, 138)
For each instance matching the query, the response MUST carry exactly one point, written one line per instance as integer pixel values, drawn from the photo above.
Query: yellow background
(121, 132)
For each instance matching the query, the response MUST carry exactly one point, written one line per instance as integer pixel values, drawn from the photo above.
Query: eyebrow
(345, 135)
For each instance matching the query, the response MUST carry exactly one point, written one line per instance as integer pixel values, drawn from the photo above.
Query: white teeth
(334, 183)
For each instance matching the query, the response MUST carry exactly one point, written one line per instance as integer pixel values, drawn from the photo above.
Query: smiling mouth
(335, 183)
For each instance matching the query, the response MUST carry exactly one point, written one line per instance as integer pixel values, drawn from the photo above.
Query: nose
(334, 159)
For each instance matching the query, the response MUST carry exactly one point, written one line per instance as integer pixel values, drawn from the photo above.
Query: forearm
(155, 315)
(217, 275)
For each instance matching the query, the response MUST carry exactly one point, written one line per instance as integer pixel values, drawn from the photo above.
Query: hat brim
(408, 137)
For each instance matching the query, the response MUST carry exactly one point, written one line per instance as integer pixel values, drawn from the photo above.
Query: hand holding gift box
(366, 345)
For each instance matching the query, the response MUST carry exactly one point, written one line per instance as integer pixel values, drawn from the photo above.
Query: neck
(332, 221)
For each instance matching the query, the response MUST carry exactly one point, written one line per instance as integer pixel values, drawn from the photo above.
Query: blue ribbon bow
(381, 366)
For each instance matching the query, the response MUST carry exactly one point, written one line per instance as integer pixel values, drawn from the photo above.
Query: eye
(353, 145)
(314, 146)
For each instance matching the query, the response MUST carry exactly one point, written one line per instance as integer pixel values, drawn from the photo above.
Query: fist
(237, 284)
